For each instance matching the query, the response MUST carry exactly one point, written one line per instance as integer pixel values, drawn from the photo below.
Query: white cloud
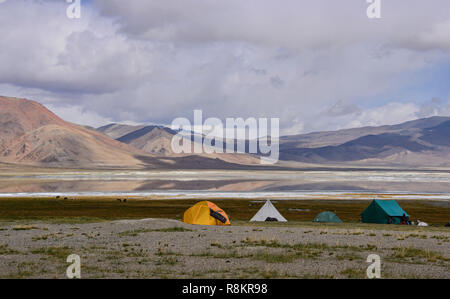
(294, 24)
(389, 114)
(78, 115)
(434, 107)
(154, 60)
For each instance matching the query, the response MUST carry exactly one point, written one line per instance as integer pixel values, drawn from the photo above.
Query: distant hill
(31, 134)
(327, 138)
(423, 142)
(118, 130)
(438, 135)
(150, 139)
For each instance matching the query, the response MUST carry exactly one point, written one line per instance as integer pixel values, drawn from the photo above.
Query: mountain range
(31, 134)
(151, 139)
(423, 142)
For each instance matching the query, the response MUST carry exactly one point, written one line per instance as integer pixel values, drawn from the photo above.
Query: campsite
(148, 239)
(224, 139)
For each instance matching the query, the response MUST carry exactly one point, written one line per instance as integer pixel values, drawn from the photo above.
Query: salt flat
(361, 180)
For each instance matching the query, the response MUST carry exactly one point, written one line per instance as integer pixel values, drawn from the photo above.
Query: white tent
(268, 211)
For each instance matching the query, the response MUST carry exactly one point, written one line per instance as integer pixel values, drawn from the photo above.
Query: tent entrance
(270, 219)
(217, 216)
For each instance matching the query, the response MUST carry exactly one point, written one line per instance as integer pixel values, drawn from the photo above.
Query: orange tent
(206, 213)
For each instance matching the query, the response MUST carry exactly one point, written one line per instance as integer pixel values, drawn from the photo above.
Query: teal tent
(383, 211)
(327, 217)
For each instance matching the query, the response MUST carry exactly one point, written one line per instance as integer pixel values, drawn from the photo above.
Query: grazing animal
(119, 200)
(420, 223)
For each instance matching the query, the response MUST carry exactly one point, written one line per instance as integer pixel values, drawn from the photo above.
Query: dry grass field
(164, 248)
(145, 239)
(433, 212)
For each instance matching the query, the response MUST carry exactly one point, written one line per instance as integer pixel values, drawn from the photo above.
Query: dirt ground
(163, 248)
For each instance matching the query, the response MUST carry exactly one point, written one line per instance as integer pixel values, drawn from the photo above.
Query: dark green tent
(327, 217)
(380, 211)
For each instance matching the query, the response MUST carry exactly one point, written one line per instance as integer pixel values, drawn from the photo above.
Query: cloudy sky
(315, 64)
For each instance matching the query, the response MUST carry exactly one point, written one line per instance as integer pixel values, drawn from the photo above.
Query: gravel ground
(163, 248)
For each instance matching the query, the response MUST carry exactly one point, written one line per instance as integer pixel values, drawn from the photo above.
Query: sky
(314, 64)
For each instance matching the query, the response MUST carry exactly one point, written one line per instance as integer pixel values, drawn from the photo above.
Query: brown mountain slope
(116, 131)
(423, 142)
(150, 139)
(19, 116)
(157, 141)
(333, 138)
(31, 134)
